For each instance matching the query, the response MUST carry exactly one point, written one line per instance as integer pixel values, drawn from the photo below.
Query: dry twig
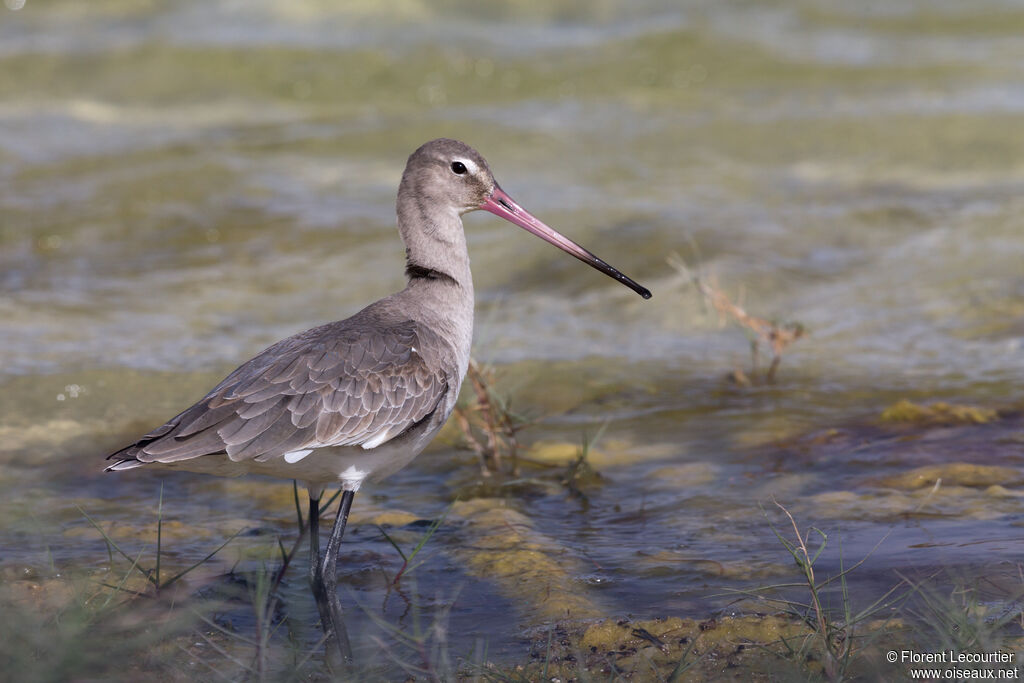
(488, 425)
(776, 335)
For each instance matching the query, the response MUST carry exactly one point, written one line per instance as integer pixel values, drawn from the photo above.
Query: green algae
(731, 648)
(609, 453)
(939, 413)
(954, 474)
(951, 501)
(667, 563)
(684, 475)
(500, 544)
(42, 594)
(170, 531)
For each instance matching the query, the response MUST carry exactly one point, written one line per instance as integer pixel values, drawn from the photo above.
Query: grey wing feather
(336, 385)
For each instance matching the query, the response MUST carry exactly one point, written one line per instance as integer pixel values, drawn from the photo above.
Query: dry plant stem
(474, 443)
(483, 401)
(510, 430)
(776, 336)
(488, 427)
(829, 660)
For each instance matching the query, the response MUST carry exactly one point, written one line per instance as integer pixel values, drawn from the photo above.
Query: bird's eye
(458, 167)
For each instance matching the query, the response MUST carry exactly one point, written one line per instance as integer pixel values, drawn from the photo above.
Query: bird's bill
(500, 204)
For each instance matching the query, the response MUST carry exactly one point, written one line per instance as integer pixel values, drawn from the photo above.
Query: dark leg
(323, 578)
(314, 545)
(316, 579)
(330, 566)
(329, 571)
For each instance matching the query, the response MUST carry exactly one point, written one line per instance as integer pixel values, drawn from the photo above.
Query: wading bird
(359, 398)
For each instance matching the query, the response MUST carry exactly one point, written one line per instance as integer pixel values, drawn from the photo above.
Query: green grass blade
(295, 497)
(323, 508)
(159, 533)
(392, 542)
(124, 580)
(434, 526)
(111, 544)
(824, 542)
(217, 550)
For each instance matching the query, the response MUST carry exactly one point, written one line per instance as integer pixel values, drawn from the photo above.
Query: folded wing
(329, 386)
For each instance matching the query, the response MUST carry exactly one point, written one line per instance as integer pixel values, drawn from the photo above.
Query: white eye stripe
(470, 165)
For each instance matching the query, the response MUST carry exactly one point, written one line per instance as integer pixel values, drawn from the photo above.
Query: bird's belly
(349, 465)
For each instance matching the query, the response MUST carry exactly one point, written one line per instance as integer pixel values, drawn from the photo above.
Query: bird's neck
(437, 266)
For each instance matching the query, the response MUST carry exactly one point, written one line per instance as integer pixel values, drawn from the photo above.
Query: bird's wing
(325, 387)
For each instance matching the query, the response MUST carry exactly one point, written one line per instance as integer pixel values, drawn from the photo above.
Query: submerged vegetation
(122, 624)
(776, 335)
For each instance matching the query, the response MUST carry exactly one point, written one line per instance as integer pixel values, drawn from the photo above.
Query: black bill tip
(639, 289)
(617, 274)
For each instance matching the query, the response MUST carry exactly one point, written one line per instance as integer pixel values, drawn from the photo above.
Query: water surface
(182, 184)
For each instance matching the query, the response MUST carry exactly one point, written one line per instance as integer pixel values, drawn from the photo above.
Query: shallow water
(182, 184)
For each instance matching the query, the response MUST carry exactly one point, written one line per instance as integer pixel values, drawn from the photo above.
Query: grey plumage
(341, 384)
